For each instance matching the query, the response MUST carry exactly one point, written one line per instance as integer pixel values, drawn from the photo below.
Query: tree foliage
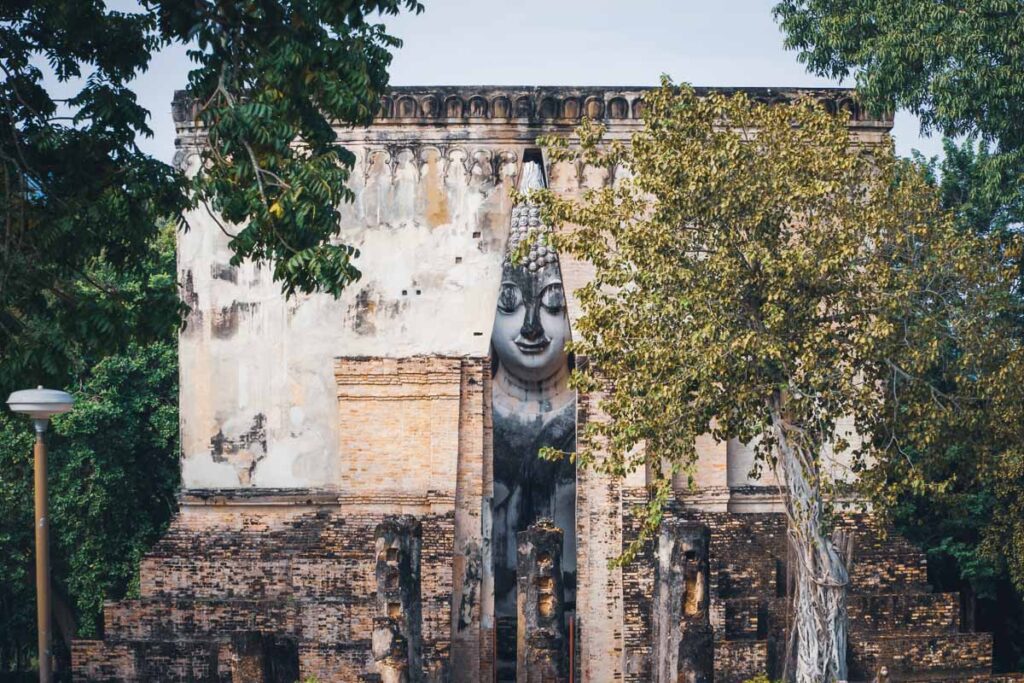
(113, 468)
(957, 65)
(759, 276)
(113, 479)
(270, 79)
(271, 74)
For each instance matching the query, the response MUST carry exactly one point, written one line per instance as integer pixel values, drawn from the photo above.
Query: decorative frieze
(480, 105)
(572, 104)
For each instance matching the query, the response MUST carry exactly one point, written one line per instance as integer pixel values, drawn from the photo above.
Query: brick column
(600, 612)
(397, 627)
(541, 647)
(472, 528)
(683, 644)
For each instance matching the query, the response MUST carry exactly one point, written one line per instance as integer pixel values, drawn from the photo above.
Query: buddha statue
(533, 406)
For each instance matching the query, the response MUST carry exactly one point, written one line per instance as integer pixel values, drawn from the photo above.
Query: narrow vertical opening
(532, 408)
(536, 155)
(280, 659)
(694, 593)
(780, 579)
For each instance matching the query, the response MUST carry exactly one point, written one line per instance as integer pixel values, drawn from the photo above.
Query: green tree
(765, 280)
(958, 65)
(270, 79)
(113, 479)
(113, 476)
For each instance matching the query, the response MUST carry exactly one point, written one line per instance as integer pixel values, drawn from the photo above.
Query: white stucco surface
(431, 239)
(259, 401)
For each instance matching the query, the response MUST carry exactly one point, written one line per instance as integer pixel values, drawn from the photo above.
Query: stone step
(740, 660)
(314, 553)
(198, 661)
(254, 576)
(869, 537)
(895, 570)
(894, 613)
(950, 677)
(166, 619)
(910, 613)
(325, 619)
(98, 661)
(244, 657)
(964, 653)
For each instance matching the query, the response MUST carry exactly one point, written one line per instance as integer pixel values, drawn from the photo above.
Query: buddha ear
(494, 359)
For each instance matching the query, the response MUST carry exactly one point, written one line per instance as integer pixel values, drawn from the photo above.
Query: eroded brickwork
(397, 639)
(246, 580)
(680, 609)
(600, 599)
(316, 585)
(896, 621)
(541, 655)
(235, 591)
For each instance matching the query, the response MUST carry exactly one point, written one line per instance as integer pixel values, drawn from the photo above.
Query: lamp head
(40, 403)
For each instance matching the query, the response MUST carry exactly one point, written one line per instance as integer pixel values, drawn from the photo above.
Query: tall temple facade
(362, 498)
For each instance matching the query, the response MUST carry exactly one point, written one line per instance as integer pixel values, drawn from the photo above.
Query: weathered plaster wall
(259, 405)
(258, 401)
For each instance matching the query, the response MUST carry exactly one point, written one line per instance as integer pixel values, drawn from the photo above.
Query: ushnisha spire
(526, 224)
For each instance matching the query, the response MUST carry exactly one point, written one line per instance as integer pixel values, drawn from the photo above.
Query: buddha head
(530, 325)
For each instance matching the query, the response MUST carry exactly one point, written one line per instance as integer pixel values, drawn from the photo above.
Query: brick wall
(300, 564)
(895, 621)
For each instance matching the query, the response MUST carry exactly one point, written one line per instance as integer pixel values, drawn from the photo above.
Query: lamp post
(41, 404)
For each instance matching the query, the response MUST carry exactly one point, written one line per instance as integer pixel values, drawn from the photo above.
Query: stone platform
(266, 595)
(279, 594)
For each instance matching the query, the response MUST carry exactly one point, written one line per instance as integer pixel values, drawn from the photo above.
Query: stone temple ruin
(362, 499)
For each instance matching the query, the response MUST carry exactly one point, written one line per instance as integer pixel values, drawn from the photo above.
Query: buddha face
(530, 327)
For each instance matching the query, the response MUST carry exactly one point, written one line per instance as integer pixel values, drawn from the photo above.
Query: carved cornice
(553, 105)
(259, 497)
(308, 497)
(570, 104)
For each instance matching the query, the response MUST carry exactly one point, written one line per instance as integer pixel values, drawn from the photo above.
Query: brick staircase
(896, 621)
(189, 621)
(215, 602)
(249, 602)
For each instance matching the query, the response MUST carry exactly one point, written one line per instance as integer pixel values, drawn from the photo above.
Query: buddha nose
(532, 329)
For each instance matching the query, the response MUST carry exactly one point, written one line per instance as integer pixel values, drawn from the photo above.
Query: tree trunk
(63, 615)
(820, 572)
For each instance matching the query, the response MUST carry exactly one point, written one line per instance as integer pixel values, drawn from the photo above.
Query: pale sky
(566, 42)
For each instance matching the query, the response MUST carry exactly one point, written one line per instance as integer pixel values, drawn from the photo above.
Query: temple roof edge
(486, 105)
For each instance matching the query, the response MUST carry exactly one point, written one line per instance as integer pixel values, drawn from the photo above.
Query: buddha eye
(509, 298)
(553, 298)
